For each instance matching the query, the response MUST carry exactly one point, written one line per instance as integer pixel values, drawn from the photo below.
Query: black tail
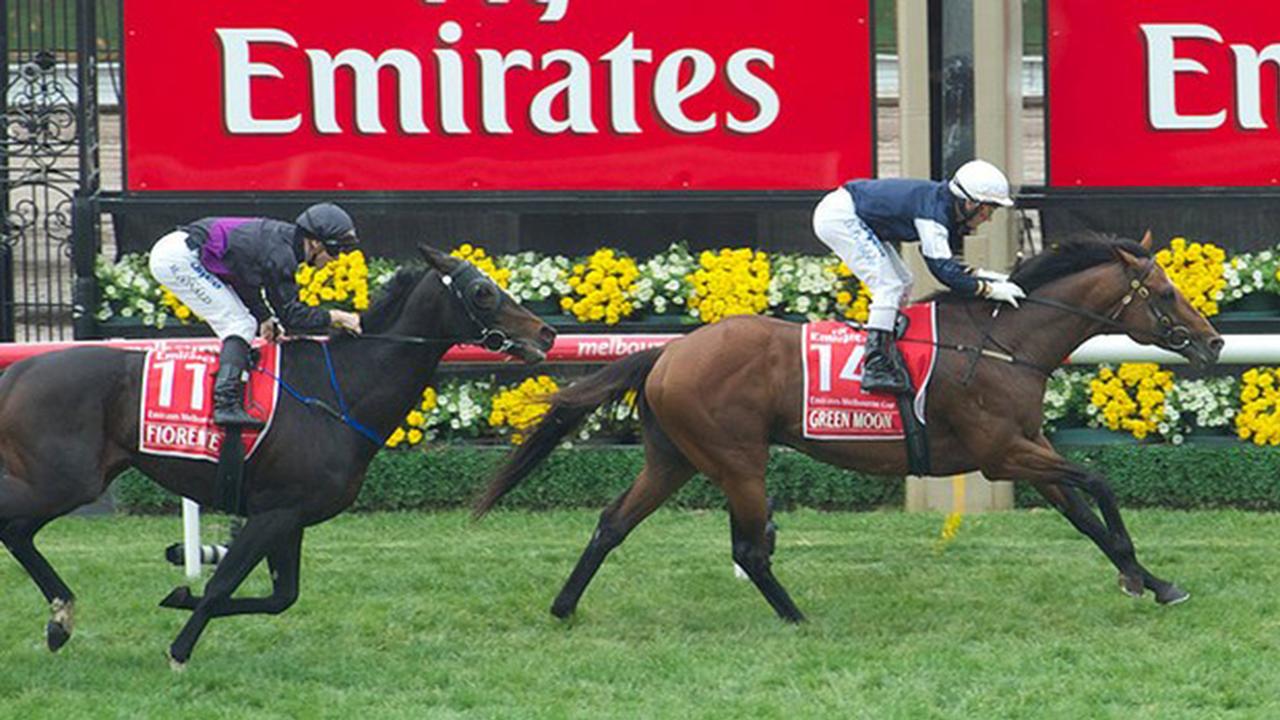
(569, 408)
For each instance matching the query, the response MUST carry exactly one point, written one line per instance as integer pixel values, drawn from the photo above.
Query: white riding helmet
(980, 181)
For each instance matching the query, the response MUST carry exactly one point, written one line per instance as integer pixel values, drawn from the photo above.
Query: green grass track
(433, 616)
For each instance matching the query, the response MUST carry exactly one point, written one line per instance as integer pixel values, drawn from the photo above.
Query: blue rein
(341, 413)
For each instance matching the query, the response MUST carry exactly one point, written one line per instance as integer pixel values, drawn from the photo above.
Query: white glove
(1001, 291)
(990, 275)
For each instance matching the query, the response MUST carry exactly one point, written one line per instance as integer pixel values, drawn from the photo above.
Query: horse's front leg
(1058, 481)
(260, 535)
(1071, 504)
(284, 560)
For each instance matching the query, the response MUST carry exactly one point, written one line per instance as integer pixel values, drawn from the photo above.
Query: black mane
(1070, 256)
(1061, 258)
(386, 307)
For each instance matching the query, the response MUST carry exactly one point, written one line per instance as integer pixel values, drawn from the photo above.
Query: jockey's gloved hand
(1001, 291)
(990, 275)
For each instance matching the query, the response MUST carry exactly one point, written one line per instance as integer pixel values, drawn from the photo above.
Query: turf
(430, 615)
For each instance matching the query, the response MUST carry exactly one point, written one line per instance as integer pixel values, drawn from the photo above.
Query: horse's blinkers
(460, 282)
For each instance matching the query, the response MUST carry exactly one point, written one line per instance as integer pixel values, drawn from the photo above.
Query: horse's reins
(1173, 336)
(490, 338)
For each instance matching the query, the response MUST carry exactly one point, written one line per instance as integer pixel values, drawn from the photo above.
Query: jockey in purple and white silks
(237, 274)
(858, 221)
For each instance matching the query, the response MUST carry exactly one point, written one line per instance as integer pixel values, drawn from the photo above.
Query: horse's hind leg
(19, 536)
(663, 473)
(753, 543)
(283, 560)
(261, 533)
(770, 537)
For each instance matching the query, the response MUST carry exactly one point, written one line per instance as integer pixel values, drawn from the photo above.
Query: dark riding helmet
(329, 224)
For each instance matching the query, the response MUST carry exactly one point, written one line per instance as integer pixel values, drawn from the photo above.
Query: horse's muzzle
(1203, 353)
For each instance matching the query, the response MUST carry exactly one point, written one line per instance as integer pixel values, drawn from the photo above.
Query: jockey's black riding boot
(882, 369)
(228, 388)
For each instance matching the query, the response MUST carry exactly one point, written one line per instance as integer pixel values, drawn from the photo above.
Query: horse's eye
(1169, 295)
(485, 296)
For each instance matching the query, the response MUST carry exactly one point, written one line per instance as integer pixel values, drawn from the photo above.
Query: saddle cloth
(835, 407)
(176, 412)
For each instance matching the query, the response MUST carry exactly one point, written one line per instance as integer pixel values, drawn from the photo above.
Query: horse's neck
(1046, 335)
(383, 379)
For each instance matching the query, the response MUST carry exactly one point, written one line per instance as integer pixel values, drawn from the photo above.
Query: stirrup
(236, 417)
(892, 385)
(894, 380)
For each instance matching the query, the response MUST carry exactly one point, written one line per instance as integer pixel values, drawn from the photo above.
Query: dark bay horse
(714, 400)
(69, 424)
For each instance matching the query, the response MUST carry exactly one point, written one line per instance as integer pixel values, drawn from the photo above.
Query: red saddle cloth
(176, 417)
(835, 407)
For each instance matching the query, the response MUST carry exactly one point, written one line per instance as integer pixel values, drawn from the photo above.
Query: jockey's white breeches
(873, 261)
(179, 269)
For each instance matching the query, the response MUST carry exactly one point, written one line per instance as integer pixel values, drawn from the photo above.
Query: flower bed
(1140, 401)
(606, 287)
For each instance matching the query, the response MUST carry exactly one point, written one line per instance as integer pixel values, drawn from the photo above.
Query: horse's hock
(970, 492)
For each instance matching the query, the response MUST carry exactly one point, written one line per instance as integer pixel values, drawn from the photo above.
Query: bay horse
(69, 424)
(714, 401)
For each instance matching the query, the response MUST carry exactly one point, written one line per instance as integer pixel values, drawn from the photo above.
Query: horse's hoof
(179, 599)
(1131, 586)
(1172, 595)
(175, 664)
(562, 611)
(56, 635)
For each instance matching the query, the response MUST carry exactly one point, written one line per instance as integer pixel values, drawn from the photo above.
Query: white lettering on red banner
(1190, 97)
(279, 95)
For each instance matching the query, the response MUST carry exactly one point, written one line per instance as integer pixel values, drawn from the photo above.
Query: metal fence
(48, 161)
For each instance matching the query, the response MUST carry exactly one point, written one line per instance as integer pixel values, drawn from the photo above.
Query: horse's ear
(1146, 240)
(435, 258)
(1128, 258)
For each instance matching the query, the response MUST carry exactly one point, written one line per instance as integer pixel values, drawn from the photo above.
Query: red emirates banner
(1168, 93)
(477, 95)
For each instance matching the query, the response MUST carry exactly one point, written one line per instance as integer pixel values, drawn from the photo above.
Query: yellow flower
(601, 288)
(729, 282)
(176, 306)
(485, 264)
(1132, 397)
(344, 282)
(521, 407)
(1259, 417)
(1197, 271)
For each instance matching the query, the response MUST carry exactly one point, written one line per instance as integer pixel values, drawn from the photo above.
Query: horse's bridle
(459, 281)
(1171, 335)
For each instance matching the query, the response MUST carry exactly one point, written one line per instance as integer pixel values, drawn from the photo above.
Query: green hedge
(1181, 476)
(1184, 476)
(587, 476)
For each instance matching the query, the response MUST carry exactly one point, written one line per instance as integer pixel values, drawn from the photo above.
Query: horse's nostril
(547, 335)
(1217, 344)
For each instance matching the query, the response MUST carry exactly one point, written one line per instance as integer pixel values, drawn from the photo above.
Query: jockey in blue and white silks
(858, 221)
